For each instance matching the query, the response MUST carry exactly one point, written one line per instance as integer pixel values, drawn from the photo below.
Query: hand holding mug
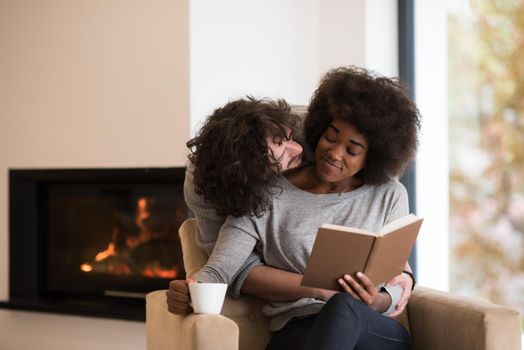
(178, 299)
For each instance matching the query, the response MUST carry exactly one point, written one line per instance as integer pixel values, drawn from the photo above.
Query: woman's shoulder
(392, 187)
(395, 185)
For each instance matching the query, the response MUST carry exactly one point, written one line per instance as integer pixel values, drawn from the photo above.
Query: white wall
(381, 40)
(432, 159)
(122, 83)
(263, 48)
(280, 49)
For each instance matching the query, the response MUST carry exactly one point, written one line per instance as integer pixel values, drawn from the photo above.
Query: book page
(395, 224)
(391, 251)
(347, 229)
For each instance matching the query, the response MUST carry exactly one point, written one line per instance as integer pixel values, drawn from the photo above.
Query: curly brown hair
(378, 107)
(232, 167)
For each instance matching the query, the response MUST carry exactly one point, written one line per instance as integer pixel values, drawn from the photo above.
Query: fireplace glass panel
(92, 242)
(112, 238)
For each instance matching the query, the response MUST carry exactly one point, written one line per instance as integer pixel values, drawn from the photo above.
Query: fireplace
(93, 241)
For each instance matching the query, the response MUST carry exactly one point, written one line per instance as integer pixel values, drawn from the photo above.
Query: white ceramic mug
(207, 298)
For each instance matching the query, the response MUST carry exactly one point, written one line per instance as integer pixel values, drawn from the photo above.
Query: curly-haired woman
(364, 132)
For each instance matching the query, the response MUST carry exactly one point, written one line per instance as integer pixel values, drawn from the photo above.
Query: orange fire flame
(104, 254)
(159, 272)
(141, 215)
(86, 267)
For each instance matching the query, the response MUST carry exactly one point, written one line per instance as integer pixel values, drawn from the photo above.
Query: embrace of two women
(258, 204)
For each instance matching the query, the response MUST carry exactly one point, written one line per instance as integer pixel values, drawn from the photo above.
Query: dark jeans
(343, 323)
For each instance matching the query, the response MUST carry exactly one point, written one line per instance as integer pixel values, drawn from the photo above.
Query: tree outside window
(486, 131)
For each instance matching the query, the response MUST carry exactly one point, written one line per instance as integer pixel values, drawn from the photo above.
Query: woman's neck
(306, 179)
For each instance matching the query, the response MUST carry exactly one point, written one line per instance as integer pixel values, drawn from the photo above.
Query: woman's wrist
(385, 301)
(382, 302)
(413, 280)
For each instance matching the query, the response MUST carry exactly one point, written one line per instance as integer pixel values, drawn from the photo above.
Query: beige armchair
(436, 320)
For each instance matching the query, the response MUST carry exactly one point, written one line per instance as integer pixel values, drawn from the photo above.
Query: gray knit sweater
(209, 223)
(284, 236)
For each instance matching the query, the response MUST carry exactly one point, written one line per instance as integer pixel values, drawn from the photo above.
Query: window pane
(486, 135)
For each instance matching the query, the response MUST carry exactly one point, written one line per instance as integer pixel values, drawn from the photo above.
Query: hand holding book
(363, 289)
(405, 282)
(340, 250)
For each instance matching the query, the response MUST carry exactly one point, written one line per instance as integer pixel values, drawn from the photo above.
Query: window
(486, 149)
(470, 166)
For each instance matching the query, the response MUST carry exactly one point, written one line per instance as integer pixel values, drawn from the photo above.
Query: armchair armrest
(166, 331)
(440, 320)
(241, 325)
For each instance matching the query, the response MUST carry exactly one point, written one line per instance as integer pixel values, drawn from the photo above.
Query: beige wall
(90, 83)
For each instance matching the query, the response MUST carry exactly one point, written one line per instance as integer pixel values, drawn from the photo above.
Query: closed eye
(279, 141)
(351, 152)
(329, 139)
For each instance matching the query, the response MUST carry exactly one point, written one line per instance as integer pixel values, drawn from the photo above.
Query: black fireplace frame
(25, 273)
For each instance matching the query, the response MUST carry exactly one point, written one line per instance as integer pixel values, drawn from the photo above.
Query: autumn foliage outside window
(486, 131)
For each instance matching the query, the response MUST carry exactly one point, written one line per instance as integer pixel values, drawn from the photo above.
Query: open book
(340, 250)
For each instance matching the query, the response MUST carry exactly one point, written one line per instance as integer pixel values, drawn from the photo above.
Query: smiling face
(284, 152)
(340, 154)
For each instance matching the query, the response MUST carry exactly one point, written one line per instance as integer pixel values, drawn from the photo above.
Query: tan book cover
(340, 250)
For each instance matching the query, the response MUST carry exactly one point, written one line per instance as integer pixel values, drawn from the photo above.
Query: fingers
(402, 303)
(345, 283)
(394, 281)
(399, 308)
(405, 282)
(177, 297)
(406, 293)
(179, 308)
(179, 286)
(371, 291)
(368, 284)
(364, 291)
